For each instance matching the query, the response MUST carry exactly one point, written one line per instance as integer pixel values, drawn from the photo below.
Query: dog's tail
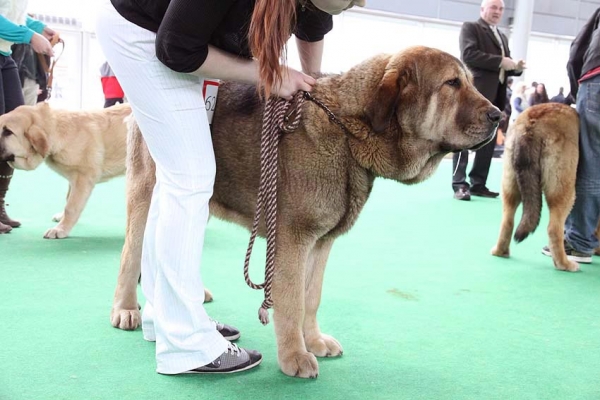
(527, 164)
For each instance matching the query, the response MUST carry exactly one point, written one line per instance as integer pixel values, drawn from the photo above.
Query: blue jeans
(583, 219)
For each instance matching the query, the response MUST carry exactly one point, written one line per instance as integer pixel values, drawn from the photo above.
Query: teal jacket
(11, 32)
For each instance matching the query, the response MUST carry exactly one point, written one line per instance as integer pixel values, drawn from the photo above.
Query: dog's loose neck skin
(397, 153)
(47, 121)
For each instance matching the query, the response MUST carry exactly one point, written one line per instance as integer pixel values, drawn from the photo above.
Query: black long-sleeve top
(185, 28)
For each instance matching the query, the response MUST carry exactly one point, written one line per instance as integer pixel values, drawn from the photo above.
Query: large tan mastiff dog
(404, 111)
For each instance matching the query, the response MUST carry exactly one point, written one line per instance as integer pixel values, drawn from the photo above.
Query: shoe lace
(219, 325)
(234, 349)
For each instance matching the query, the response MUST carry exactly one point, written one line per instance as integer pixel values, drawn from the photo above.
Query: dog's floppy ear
(37, 138)
(385, 100)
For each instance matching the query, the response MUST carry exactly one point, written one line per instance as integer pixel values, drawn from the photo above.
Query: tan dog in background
(86, 147)
(404, 112)
(541, 155)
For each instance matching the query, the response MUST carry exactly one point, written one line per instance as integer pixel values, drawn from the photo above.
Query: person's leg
(583, 219)
(149, 264)
(111, 102)
(481, 166)
(177, 134)
(12, 97)
(459, 170)
(4, 228)
(30, 92)
(483, 159)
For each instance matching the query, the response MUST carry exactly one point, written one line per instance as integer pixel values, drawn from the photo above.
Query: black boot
(6, 173)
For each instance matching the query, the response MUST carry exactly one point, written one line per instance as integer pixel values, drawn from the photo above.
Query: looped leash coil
(279, 116)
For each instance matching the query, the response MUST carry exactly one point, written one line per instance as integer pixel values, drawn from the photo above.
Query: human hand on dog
(41, 45)
(293, 81)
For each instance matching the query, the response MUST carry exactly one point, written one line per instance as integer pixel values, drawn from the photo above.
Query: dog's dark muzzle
(494, 116)
(488, 139)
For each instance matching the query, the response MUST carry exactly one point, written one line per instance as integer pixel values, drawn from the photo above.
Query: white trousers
(170, 111)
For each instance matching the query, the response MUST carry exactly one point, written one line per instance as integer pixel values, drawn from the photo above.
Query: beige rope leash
(275, 121)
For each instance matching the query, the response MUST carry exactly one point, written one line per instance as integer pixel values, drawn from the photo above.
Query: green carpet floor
(421, 308)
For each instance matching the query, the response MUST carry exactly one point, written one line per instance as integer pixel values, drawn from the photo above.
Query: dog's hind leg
(511, 198)
(560, 201)
(320, 344)
(288, 295)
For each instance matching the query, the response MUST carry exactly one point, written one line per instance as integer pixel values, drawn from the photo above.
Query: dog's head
(23, 142)
(425, 105)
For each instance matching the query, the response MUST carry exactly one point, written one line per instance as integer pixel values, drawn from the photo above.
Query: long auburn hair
(270, 28)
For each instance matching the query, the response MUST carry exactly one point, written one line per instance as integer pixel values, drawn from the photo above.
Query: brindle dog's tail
(527, 165)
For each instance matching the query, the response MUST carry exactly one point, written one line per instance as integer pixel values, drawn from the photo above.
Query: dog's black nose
(494, 115)
(7, 157)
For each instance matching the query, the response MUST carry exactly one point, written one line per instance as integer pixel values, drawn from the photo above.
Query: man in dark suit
(484, 49)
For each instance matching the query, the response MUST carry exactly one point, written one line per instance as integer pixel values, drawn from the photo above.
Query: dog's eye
(7, 132)
(453, 82)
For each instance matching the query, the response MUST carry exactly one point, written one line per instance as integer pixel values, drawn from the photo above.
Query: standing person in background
(161, 51)
(560, 97)
(26, 61)
(584, 74)
(518, 100)
(540, 96)
(113, 93)
(15, 27)
(484, 49)
(531, 90)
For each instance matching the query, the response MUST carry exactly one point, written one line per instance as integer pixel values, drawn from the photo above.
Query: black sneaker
(233, 360)
(229, 332)
(572, 254)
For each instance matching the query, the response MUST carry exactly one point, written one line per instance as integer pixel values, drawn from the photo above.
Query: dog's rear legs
(560, 204)
(321, 345)
(511, 198)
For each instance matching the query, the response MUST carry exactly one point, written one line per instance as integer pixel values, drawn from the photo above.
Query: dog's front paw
(127, 320)
(324, 346)
(498, 252)
(57, 217)
(56, 233)
(301, 364)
